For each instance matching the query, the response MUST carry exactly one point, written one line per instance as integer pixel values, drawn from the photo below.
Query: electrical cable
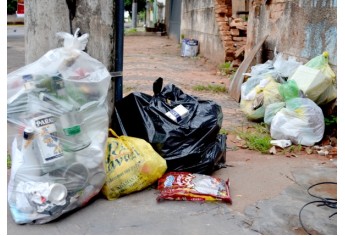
(329, 202)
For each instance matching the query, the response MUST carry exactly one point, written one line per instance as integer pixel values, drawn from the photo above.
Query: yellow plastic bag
(317, 80)
(321, 63)
(267, 93)
(131, 164)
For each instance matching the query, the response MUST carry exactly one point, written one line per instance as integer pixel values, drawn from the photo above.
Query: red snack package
(193, 187)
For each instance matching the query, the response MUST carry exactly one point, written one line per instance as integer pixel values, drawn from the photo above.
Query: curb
(15, 23)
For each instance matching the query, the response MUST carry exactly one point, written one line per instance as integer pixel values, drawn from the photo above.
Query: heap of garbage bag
(287, 96)
(57, 107)
(64, 151)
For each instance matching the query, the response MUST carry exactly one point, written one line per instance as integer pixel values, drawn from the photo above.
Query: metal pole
(119, 31)
(134, 13)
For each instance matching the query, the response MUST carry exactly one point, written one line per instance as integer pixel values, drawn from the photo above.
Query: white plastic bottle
(31, 166)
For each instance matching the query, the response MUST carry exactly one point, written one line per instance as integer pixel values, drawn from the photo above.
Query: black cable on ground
(329, 202)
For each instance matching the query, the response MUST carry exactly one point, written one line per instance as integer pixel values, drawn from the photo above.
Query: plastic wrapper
(193, 187)
(302, 122)
(191, 143)
(279, 69)
(131, 165)
(57, 107)
(285, 68)
(261, 69)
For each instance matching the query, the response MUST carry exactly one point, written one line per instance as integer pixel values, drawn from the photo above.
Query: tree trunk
(44, 18)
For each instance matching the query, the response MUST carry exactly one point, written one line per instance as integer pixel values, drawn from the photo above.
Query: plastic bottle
(31, 165)
(58, 86)
(74, 137)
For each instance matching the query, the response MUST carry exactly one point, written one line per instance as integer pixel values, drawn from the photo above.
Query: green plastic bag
(289, 90)
(321, 63)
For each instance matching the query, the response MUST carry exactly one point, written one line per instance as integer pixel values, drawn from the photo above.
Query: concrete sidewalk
(14, 20)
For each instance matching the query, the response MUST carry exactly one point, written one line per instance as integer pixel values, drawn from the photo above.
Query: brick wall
(232, 31)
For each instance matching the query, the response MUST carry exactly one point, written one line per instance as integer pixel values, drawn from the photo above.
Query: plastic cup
(57, 194)
(76, 177)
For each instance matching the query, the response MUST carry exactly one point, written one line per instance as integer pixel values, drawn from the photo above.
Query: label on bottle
(47, 139)
(28, 82)
(71, 131)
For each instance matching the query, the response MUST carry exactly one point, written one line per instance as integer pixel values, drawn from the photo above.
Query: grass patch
(292, 149)
(257, 137)
(226, 68)
(223, 131)
(9, 161)
(127, 89)
(210, 88)
(130, 31)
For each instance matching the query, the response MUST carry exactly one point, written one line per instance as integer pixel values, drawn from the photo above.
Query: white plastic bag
(302, 122)
(285, 68)
(271, 110)
(60, 102)
(317, 80)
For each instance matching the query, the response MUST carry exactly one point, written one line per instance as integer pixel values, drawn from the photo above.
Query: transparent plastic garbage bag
(58, 114)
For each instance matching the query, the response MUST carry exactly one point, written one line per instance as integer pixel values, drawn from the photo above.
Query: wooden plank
(239, 51)
(235, 86)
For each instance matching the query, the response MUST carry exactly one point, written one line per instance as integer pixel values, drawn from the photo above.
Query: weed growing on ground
(330, 120)
(292, 149)
(130, 31)
(226, 68)
(9, 161)
(223, 131)
(211, 88)
(127, 89)
(257, 137)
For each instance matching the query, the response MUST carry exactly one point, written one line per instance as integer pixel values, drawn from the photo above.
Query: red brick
(221, 10)
(224, 28)
(221, 19)
(239, 38)
(234, 32)
(224, 33)
(220, 2)
(229, 45)
(240, 26)
(236, 63)
(238, 20)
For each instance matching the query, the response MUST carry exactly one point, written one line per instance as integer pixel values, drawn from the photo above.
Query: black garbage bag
(191, 144)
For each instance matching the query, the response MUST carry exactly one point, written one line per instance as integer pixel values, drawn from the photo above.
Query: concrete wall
(198, 22)
(300, 28)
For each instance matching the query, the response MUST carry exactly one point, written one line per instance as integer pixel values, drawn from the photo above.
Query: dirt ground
(148, 57)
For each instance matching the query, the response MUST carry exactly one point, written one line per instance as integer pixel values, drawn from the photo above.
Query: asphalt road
(15, 47)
